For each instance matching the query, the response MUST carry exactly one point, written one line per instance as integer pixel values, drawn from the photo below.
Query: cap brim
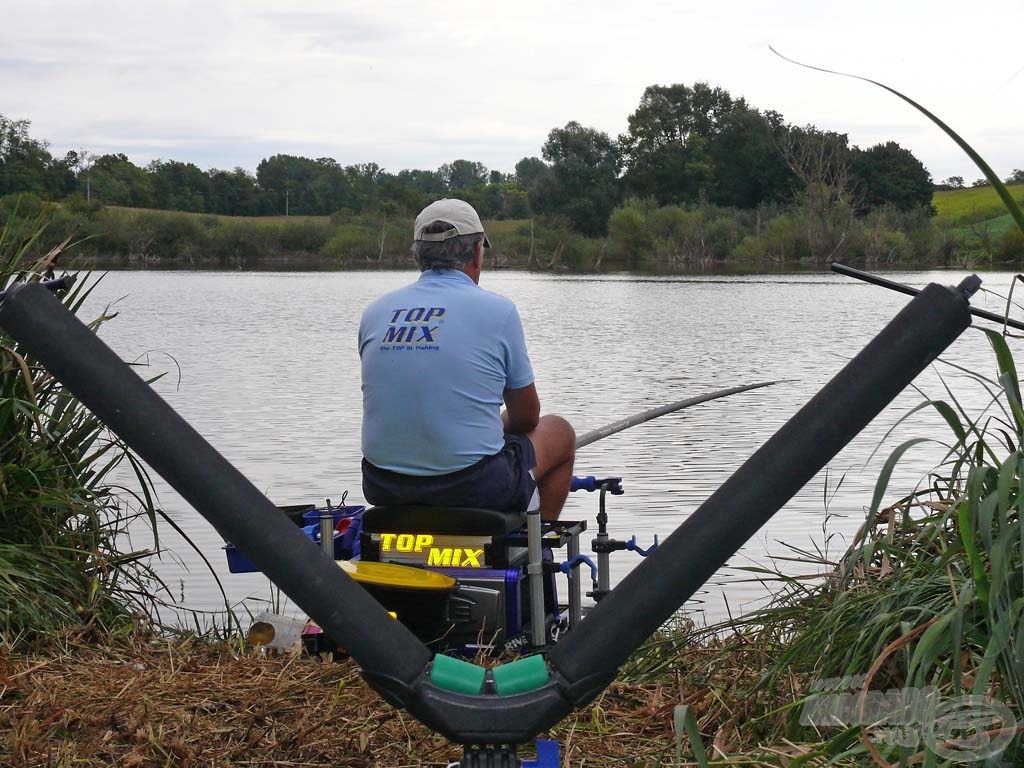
(487, 243)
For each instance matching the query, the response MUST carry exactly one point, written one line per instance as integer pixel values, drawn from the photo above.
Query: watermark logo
(961, 729)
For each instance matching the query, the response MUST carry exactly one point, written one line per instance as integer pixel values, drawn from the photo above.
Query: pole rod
(631, 421)
(892, 285)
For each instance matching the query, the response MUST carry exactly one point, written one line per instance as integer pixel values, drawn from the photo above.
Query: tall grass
(930, 596)
(64, 559)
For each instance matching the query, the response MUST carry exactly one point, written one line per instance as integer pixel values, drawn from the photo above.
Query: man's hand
(522, 412)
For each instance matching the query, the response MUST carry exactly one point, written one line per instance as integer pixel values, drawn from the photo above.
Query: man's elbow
(522, 423)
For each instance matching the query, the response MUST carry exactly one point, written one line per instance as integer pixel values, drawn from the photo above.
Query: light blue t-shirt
(436, 356)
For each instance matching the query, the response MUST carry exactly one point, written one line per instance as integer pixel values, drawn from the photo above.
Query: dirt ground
(158, 702)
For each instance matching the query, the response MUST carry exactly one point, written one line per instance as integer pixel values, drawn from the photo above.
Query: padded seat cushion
(421, 518)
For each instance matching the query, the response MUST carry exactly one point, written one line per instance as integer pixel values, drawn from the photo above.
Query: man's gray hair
(453, 253)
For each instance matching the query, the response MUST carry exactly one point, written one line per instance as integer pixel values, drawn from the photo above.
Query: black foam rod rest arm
(387, 651)
(716, 530)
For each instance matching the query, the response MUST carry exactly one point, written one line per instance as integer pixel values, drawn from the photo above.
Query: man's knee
(559, 435)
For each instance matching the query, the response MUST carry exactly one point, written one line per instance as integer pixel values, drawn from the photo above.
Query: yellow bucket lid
(392, 575)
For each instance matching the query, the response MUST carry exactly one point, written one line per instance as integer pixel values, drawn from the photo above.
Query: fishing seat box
(450, 526)
(467, 543)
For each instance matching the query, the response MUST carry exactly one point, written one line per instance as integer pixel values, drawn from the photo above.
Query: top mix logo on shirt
(410, 328)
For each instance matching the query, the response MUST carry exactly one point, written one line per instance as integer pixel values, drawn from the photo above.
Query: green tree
(179, 186)
(114, 180)
(288, 182)
(425, 184)
(747, 168)
(583, 185)
(365, 179)
(529, 172)
(236, 193)
(666, 150)
(394, 196)
(515, 202)
(330, 188)
(25, 163)
(888, 174)
(1017, 177)
(462, 174)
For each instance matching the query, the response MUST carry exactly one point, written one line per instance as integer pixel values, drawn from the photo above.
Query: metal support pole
(535, 575)
(575, 599)
(327, 531)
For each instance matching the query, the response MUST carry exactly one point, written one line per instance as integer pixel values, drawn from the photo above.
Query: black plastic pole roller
(589, 657)
(131, 408)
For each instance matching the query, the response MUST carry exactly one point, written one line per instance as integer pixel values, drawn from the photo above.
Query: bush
(236, 241)
(353, 242)
(62, 524)
(77, 203)
(1011, 246)
(304, 236)
(782, 239)
(174, 236)
(629, 238)
(25, 204)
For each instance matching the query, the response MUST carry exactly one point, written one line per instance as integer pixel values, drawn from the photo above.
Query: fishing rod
(892, 285)
(631, 421)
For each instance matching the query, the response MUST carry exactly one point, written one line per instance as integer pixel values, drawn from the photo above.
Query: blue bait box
(348, 523)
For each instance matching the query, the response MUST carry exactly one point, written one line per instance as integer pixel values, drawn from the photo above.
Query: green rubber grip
(457, 675)
(520, 675)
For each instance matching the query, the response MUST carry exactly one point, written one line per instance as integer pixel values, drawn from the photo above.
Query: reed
(66, 562)
(929, 596)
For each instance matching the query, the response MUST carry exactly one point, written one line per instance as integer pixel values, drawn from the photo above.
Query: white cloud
(416, 84)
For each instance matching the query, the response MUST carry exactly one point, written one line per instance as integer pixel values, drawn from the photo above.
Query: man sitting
(439, 357)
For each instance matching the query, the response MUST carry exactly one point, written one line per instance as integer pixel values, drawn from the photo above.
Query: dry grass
(160, 702)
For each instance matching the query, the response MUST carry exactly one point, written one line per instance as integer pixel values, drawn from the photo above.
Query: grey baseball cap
(458, 213)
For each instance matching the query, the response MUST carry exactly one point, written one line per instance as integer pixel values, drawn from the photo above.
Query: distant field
(125, 211)
(978, 203)
(494, 227)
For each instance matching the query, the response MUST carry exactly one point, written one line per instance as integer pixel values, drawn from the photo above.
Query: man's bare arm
(522, 410)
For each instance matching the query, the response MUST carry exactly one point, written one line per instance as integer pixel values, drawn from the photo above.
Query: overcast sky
(225, 83)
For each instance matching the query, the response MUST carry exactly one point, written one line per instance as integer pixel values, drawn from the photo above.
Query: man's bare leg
(554, 443)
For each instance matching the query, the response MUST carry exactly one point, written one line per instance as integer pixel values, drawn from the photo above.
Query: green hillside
(974, 204)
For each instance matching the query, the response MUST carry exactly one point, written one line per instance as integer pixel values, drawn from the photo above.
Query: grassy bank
(976, 203)
(642, 237)
(977, 219)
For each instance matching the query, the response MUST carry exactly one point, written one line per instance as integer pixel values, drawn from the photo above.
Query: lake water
(264, 365)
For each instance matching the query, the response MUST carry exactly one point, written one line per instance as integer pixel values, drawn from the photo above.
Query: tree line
(685, 146)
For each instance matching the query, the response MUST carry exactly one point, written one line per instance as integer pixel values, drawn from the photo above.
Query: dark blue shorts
(502, 481)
